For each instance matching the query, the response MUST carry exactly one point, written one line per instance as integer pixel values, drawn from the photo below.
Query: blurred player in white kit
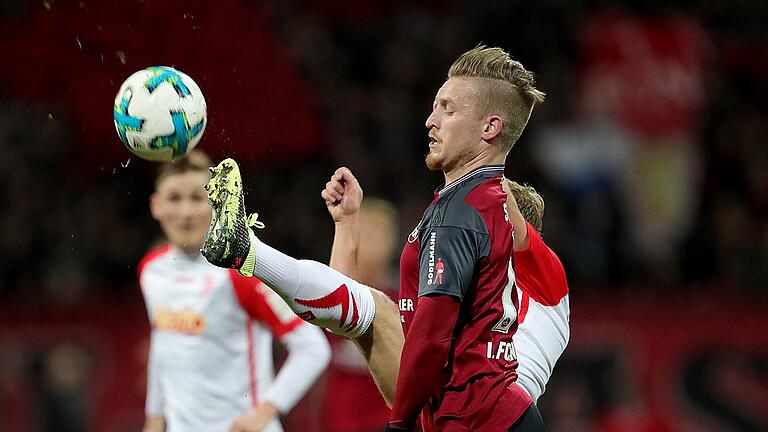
(210, 363)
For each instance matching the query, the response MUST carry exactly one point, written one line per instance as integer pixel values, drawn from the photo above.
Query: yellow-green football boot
(228, 240)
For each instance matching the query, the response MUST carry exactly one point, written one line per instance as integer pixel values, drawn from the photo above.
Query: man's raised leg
(315, 292)
(382, 344)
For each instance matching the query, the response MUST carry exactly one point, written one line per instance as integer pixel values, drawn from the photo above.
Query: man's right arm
(382, 344)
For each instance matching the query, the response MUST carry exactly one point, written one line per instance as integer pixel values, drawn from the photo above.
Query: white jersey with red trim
(544, 316)
(211, 346)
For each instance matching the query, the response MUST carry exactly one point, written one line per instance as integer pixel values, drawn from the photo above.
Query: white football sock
(315, 292)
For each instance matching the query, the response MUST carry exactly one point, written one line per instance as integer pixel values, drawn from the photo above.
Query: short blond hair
(195, 160)
(509, 91)
(530, 203)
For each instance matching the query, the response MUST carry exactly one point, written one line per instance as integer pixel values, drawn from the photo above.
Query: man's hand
(154, 424)
(516, 218)
(255, 421)
(342, 195)
(511, 202)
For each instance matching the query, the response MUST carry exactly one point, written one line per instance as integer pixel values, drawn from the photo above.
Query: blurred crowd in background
(651, 151)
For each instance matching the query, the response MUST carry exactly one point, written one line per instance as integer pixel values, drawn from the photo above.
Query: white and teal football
(160, 113)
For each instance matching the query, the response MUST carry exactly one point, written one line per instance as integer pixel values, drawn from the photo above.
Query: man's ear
(493, 127)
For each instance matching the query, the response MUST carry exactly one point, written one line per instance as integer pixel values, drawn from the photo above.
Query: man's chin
(433, 162)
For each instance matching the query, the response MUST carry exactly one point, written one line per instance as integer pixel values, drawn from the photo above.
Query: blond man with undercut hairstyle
(458, 366)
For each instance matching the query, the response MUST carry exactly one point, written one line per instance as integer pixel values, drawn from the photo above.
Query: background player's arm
(308, 356)
(155, 401)
(343, 195)
(543, 277)
(308, 353)
(257, 420)
(382, 344)
(517, 219)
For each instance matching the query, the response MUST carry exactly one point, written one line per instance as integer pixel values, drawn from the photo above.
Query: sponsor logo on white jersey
(182, 321)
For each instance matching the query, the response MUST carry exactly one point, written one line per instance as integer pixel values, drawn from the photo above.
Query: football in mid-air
(160, 113)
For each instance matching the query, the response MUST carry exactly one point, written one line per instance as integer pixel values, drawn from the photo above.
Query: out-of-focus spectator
(62, 388)
(348, 381)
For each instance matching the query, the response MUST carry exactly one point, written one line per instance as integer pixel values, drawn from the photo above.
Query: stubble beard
(440, 163)
(433, 162)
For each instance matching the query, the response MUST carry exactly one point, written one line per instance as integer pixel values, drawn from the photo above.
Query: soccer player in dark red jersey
(542, 288)
(458, 362)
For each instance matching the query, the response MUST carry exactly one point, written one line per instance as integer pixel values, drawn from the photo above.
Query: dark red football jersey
(462, 247)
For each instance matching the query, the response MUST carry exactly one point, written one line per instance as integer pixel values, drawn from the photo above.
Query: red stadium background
(692, 364)
(651, 153)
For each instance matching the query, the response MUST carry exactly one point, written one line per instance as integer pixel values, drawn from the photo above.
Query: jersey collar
(483, 171)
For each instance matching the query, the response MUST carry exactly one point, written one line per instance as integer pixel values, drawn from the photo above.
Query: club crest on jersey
(435, 268)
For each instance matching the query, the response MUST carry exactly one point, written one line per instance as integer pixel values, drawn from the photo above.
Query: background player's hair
(509, 90)
(530, 203)
(379, 231)
(379, 206)
(195, 160)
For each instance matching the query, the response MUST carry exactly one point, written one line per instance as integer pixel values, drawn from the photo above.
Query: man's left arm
(308, 356)
(308, 352)
(427, 347)
(425, 355)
